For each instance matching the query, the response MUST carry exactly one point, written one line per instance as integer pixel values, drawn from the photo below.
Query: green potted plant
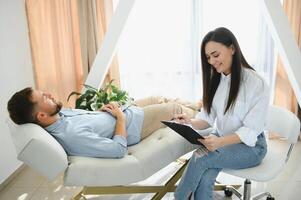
(93, 99)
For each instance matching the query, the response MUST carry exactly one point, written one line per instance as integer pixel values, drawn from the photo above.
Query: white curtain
(265, 62)
(159, 50)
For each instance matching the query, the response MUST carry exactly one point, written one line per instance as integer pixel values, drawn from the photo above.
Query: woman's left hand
(212, 142)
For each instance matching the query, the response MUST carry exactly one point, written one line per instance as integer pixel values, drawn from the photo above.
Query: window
(159, 50)
(155, 50)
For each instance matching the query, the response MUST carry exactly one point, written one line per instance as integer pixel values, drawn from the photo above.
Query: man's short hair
(21, 107)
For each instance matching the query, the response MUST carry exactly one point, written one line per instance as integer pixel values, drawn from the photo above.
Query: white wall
(15, 73)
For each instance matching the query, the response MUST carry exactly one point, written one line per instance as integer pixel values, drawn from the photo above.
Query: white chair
(285, 124)
(40, 151)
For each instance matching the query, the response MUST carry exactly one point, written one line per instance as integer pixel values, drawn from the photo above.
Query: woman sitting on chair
(235, 100)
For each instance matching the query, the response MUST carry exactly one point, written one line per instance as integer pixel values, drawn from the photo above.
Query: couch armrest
(47, 158)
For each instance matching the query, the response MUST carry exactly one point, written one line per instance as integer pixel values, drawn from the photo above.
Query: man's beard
(59, 106)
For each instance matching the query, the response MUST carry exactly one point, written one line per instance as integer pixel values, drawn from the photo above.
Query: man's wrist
(120, 116)
(221, 141)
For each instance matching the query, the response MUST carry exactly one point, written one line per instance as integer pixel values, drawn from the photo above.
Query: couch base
(159, 191)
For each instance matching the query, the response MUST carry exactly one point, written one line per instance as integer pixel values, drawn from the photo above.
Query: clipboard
(185, 131)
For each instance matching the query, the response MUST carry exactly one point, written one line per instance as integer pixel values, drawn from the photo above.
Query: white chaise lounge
(40, 151)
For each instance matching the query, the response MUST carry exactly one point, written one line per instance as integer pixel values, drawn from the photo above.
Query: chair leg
(247, 190)
(234, 191)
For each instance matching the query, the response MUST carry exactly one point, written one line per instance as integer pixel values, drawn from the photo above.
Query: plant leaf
(93, 98)
(73, 93)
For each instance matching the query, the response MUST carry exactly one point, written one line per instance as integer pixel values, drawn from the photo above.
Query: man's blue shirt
(92, 133)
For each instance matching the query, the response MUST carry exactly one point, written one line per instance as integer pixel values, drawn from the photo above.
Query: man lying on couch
(105, 133)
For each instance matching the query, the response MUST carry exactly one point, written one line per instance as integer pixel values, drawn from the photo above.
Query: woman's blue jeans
(200, 175)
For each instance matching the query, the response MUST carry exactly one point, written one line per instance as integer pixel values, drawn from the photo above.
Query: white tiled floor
(29, 185)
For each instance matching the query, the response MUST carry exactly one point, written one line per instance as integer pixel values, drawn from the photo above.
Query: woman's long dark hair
(211, 77)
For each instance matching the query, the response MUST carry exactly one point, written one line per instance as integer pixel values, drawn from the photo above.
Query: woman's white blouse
(247, 117)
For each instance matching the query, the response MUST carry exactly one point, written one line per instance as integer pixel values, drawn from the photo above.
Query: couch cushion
(143, 159)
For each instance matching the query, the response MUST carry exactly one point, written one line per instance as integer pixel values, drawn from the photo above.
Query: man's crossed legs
(157, 108)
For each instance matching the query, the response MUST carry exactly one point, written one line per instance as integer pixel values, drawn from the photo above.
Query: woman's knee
(209, 176)
(204, 161)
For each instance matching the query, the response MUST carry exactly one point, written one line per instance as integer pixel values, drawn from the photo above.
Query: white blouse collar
(225, 77)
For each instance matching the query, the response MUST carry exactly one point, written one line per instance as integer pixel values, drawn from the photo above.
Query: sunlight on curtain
(55, 48)
(65, 36)
(158, 48)
(284, 94)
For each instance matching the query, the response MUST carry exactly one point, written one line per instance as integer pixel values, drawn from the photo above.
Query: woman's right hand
(182, 118)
